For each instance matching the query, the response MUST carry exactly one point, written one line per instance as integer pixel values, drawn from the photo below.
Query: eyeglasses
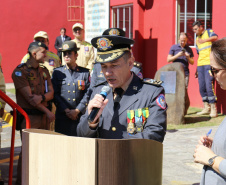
(215, 71)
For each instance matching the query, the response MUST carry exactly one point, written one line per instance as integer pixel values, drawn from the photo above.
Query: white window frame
(185, 18)
(124, 16)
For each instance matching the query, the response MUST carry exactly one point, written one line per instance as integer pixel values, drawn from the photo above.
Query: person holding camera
(182, 53)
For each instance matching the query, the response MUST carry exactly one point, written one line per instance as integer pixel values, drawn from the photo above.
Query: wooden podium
(50, 158)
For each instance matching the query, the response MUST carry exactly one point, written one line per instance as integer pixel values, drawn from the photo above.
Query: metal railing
(15, 108)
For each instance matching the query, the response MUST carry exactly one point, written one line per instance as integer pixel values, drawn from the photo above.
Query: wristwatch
(211, 161)
(43, 98)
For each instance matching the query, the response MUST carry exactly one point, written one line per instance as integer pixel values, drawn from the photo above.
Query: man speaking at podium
(132, 108)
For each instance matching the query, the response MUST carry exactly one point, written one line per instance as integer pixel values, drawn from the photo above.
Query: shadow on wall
(145, 51)
(145, 4)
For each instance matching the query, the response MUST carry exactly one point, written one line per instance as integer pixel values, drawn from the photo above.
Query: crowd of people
(64, 89)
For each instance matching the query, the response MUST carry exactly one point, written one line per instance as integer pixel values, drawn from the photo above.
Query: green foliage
(192, 120)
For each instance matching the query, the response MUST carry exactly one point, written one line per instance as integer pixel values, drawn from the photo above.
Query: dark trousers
(206, 84)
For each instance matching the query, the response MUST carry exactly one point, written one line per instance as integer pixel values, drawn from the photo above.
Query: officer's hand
(73, 114)
(50, 116)
(1, 112)
(34, 99)
(98, 102)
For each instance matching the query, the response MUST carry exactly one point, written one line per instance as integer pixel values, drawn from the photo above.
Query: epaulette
(51, 54)
(137, 64)
(86, 43)
(152, 82)
(21, 65)
(102, 83)
(44, 67)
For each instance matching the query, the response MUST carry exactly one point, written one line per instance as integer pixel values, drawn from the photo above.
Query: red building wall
(154, 34)
(153, 30)
(20, 20)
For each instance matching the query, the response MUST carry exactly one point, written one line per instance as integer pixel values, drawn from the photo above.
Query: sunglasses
(215, 71)
(77, 29)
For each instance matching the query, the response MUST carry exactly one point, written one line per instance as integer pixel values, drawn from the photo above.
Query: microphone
(104, 92)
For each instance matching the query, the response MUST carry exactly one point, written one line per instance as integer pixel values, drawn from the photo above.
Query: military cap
(69, 46)
(77, 25)
(40, 44)
(42, 34)
(111, 45)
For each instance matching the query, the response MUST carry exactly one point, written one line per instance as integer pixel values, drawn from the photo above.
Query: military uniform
(97, 75)
(142, 114)
(69, 92)
(35, 78)
(51, 61)
(135, 108)
(85, 54)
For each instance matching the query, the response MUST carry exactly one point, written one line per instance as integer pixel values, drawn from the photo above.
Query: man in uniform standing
(133, 108)
(204, 41)
(51, 60)
(86, 51)
(70, 83)
(33, 91)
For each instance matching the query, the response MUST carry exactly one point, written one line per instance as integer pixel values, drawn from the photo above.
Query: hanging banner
(96, 18)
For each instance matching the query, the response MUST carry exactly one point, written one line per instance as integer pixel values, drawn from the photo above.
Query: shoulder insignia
(86, 43)
(137, 64)
(53, 55)
(102, 83)
(152, 82)
(21, 65)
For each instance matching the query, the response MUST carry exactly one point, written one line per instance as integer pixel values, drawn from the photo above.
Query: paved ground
(178, 148)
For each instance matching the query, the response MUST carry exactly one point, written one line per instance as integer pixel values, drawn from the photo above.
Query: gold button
(68, 84)
(73, 99)
(68, 99)
(73, 91)
(73, 83)
(69, 91)
(113, 129)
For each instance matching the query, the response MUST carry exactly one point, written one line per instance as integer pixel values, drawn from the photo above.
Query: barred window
(189, 11)
(122, 17)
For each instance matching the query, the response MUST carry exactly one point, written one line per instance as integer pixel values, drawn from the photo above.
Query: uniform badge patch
(114, 32)
(86, 48)
(65, 46)
(18, 73)
(51, 62)
(44, 75)
(160, 100)
(140, 75)
(104, 44)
